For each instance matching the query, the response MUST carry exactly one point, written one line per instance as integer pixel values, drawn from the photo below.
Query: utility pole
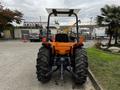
(91, 28)
(40, 20)
(40, 26)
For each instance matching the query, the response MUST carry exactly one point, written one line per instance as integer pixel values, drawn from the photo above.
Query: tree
(110, 16)
(8, 16)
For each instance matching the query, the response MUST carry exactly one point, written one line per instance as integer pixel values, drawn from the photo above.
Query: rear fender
(76, 46)
(46, 45)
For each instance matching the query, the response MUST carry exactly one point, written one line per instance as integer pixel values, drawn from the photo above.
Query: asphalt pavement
(18, 72)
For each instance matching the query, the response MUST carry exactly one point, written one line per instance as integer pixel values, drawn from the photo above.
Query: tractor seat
(61, 38)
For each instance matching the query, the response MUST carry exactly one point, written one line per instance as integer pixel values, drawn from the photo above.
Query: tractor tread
(81, 66)
(43, 66)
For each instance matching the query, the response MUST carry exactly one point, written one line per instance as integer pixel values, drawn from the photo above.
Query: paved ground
(18, 72)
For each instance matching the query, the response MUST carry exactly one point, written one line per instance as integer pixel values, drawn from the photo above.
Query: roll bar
(55, 13)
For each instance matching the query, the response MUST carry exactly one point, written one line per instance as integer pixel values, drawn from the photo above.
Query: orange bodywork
(62, 48)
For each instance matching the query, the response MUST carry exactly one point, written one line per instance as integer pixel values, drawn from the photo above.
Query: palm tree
(110, 16)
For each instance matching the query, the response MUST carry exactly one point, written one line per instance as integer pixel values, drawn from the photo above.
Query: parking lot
(18, 72)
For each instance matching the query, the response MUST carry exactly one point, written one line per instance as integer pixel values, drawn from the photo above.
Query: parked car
(34, 35)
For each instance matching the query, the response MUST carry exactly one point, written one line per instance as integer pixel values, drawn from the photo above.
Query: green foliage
(106, 68)
(110, 16)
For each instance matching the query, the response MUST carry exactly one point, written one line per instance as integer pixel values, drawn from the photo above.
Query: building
(26, 28)
(35, 24)
(29, 27)
(99, 32)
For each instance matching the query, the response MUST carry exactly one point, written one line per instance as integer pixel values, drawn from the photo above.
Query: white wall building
(99, 32)
(32, 27)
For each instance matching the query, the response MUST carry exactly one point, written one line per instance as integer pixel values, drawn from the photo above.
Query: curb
(94, 81)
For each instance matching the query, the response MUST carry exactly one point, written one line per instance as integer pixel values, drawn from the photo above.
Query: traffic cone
(24, 39)
(44, 39)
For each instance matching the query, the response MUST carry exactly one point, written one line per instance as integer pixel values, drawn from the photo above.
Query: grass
(105, 67)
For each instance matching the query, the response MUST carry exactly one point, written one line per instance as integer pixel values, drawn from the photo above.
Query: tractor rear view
(62, 54)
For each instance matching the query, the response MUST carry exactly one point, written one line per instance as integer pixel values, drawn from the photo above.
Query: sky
(34, 9)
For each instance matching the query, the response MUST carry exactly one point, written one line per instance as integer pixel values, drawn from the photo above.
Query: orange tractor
(62, 54)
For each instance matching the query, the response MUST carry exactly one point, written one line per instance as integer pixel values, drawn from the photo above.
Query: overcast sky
(33, 9)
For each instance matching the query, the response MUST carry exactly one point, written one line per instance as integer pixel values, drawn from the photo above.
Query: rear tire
(81, 66)
(43, 66)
